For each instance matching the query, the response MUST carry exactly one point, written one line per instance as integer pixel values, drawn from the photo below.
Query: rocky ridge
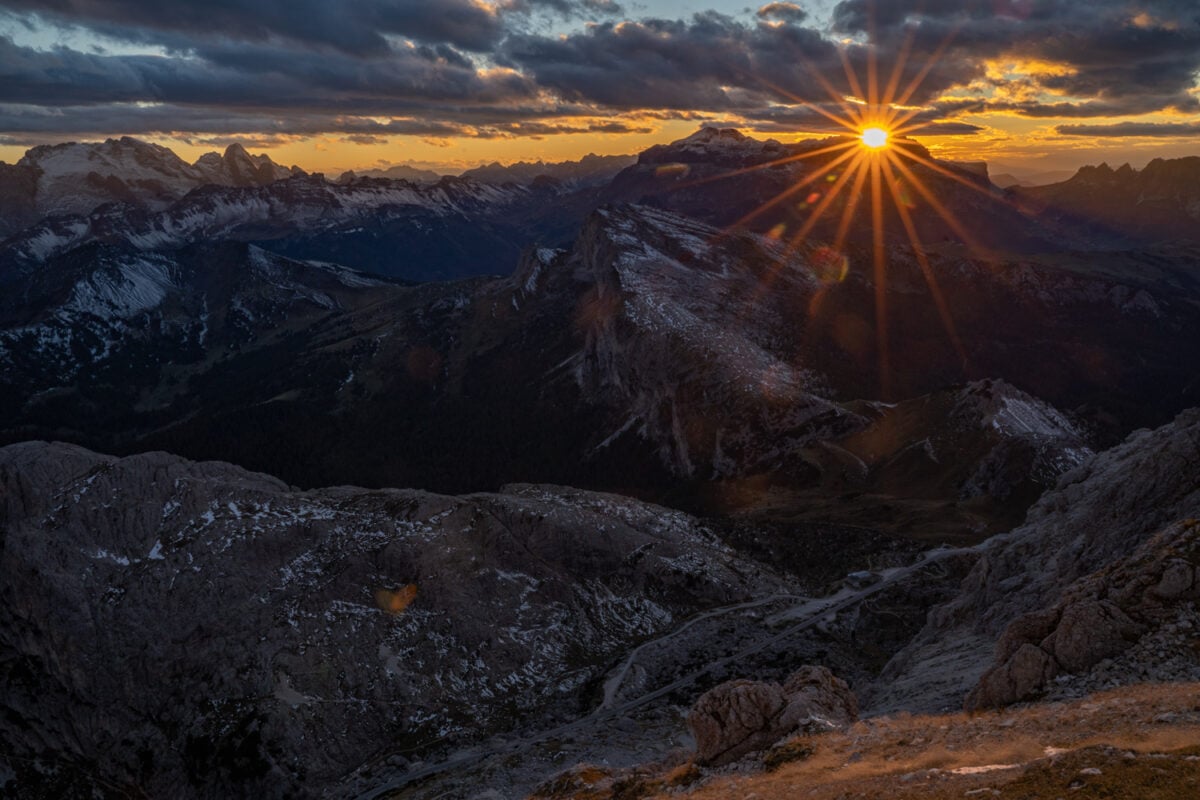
(1159, 201)
(303, 216)
(1101, 518)
(628, 346)
(1099, 618)
(591, 170)
(193, 629)
(75, 178)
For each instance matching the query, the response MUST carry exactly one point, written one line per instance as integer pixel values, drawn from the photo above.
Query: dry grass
(1143, 740)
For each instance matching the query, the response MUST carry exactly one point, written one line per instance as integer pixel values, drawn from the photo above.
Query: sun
(875, 138)
(864, 167)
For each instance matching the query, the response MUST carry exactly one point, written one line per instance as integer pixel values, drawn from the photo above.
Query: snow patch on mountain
(301, 204)
(77, 177)
(1017, 416)
(55, 239)
(347, 277)
(133, 286)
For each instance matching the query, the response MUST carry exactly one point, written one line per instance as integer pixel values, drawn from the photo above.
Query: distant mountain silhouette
(1161, 201)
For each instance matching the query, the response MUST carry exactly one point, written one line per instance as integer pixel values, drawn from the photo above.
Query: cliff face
(196, 630)
(1097, 517)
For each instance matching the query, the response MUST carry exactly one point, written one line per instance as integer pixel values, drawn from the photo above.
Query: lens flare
(871, 165)
(875, 138)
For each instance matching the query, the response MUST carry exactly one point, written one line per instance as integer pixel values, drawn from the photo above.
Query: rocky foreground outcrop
(179, 629)
(740, 717)
(1100, 521)
(1099, 617)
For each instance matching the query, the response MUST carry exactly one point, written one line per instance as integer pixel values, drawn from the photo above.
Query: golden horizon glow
(874, 138)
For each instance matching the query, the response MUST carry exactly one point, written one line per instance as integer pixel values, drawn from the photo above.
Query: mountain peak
(237, 167)
(713, 144)
(710, 133)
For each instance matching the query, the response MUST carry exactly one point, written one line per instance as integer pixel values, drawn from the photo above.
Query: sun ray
(851, 112)
(852, 78)
(839, 241)
(837, 97)
(830, 197)
(938, 168)
(893, 83)
(878, 119)
(766, 165)
(852, 202)
(872, 62)
(879, 253)
(922, 259)
(919, 78)
(940, 209)
(791, 190)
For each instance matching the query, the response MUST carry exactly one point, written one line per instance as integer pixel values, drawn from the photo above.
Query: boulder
(1091, 631)
(1022, 676)
(741, 716)
(820, 694)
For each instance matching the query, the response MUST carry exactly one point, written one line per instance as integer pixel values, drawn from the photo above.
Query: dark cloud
(364, 139)
(1121, 129)
(231, 75)
(354, 26)
(783, 12)
(360, 27)
(441, 68)
(1098, 108)
(27, 125)
(252, 142)
(31, 123)
(568, 8)
(1117, 56)
(710, 62)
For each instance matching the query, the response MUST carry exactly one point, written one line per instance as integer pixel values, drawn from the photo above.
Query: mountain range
(76, 178)
(423, 485)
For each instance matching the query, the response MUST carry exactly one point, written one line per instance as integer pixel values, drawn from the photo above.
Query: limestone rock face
(736, 718)
(821, 695)
(1024, 673)
(188, 630)
(1099, 617)
(1089, 631)
(1081, 580)
(740, 717)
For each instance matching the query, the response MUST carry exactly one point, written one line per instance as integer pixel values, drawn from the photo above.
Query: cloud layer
(444, 68)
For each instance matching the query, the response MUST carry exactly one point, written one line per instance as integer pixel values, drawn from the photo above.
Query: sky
(449, 84)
